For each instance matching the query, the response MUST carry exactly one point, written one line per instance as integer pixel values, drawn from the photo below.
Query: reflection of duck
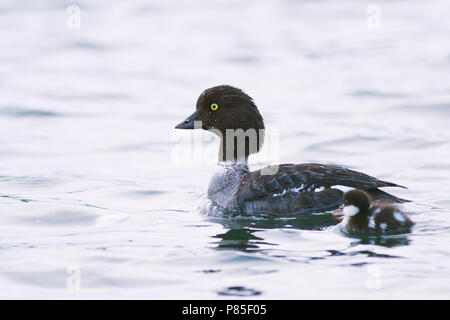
(284, 189)
(246, 234)
(360, 216)
(239, 239)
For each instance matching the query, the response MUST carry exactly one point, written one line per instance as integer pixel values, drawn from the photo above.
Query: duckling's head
(224, 110)
(356, 202)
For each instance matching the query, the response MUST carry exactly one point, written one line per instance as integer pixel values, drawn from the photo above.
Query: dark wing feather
(292, 187)
(384, 197)
(292, 203)
(327, 176)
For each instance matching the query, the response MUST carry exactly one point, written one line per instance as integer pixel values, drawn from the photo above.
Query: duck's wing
(308, 186)
(329, 176)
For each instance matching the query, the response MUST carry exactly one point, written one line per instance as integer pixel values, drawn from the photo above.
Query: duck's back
(304, 188)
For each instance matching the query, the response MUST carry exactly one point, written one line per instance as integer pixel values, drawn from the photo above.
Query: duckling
(362, 216)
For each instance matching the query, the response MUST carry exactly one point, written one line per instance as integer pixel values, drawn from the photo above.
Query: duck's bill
(189, 122)
(337, 217)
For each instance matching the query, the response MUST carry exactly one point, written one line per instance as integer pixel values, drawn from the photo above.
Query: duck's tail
(380, 195)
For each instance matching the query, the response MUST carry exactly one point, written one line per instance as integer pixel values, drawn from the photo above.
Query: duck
(284, 189)
(364, 217)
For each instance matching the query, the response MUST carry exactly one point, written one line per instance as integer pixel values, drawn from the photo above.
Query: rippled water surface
(93, 203)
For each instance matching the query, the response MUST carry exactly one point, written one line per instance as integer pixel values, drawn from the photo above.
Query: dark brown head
(356, 202)
(224, 109)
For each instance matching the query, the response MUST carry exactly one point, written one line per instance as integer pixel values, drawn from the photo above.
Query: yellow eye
(214, 107)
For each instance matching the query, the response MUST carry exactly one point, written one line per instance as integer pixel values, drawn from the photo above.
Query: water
(93, 205)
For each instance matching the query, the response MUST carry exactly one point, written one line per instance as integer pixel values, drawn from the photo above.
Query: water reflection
(385, 241)
(239, 239)
(245, 234)
(242, 232)
(239, 291)
(301, 222)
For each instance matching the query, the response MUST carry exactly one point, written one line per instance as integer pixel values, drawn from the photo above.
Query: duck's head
(356, 202)
(224, 110)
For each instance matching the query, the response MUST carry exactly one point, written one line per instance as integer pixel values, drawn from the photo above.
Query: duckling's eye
(214, 107)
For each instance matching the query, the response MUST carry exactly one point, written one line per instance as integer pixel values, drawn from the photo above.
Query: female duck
(284, 189)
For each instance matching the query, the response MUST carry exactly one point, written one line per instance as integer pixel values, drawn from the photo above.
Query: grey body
(293, 189)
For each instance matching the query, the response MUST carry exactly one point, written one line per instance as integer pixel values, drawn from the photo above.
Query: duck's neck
(237, 166)
(229, 154)
(237, 146)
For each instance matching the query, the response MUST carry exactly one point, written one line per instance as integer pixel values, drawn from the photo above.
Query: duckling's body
(364, 218)
(285, 189)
